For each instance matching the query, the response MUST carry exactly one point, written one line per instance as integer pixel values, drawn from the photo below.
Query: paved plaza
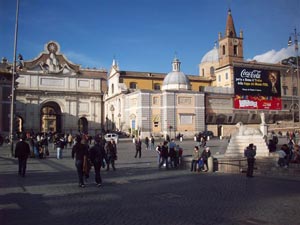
(138, 193)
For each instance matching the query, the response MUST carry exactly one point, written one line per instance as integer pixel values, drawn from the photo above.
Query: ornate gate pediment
(51, 61)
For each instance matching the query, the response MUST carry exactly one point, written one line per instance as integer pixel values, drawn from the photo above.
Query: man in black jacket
(79, 150)
(250, 153)
(22, 151)
(97, 155)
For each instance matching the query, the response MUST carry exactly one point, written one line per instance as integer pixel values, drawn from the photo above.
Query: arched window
(223, 48)
(203, 72)
(132, 85)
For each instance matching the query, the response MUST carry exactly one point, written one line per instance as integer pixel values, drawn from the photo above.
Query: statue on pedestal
(262, 118)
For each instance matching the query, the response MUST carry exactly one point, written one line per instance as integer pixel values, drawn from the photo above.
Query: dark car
(208, 133)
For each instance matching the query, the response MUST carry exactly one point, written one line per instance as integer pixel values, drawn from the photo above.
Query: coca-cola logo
(256, 74)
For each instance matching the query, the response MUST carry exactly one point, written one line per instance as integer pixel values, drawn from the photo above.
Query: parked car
(110, 136)
(122, 134)
(208, 133)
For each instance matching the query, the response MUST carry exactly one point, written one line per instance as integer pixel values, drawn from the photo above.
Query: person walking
(138, 148)
(111, 152)
(172, 153)
(152, 142)
(250, 153)
(147, 143)
(22, 152)
(59, 146)
(158, 151)
(79, 151)
(164, 155)
(96, 155)
(195, 160)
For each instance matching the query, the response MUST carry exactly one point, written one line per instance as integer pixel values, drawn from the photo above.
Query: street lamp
(295, 35)
(12, 103)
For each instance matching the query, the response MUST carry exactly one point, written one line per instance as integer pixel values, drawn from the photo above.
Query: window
(112, 88)
(155, 100)
(219, 78)
(284, 88)
(201, 88)
(212, 70)
(186, 119)
(210, 119)
(132, 85)
(203, 74)
(235, 50)
(223, 48)
(156, 86)
(155, 124)
(295, 91)
(226, 76)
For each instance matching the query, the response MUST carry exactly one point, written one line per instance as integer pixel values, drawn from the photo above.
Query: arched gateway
(51, 117)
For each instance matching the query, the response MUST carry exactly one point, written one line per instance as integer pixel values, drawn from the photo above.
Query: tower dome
(176, 80)
(211, 56)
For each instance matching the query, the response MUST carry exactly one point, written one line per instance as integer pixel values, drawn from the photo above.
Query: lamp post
(295, 35)
(12, 103)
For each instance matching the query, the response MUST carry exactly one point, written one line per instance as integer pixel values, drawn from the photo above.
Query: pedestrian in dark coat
(111, 152)
(138, 148)
(147, 143)
(250, 153)
(97, 155)
(205, 155)
(22, 152)
(79, 151)
(164, 155)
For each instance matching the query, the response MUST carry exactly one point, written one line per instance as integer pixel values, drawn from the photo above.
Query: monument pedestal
(238, 144)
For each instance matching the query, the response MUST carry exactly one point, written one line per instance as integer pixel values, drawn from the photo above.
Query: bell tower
(230, 45)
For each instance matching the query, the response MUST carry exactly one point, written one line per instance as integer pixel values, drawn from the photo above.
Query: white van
(113, 136)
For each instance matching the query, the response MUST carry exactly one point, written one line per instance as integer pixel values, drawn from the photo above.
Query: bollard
(210, 164)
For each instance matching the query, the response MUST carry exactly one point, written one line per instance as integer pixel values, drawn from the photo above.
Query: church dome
(211, 56)
(176, 80)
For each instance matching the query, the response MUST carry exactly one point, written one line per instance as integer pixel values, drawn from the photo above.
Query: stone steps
(238, 144)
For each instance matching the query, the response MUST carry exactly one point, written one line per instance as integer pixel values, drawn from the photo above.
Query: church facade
(148, 104)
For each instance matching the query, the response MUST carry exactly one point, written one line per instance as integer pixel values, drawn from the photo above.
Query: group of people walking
(169, 154)
(101, 154)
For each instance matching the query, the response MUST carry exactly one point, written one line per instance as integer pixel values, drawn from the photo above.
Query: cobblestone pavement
(138, 193)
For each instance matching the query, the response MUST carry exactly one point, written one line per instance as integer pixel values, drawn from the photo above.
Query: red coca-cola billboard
(257, 89)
